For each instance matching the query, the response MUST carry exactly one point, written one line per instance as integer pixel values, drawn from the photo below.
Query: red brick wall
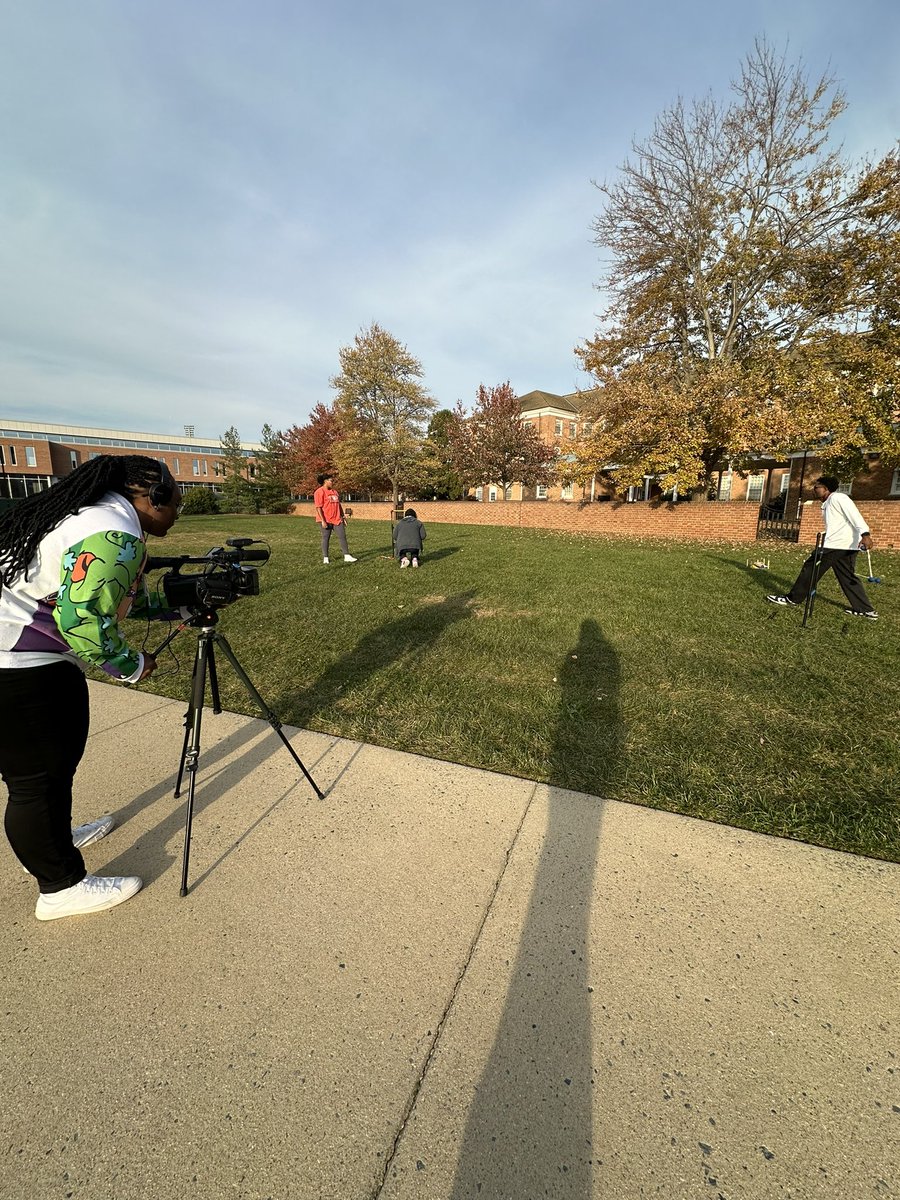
(20, 467)
(680, 522)
(882, 517)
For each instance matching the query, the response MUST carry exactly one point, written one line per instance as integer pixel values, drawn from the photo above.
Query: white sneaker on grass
(415, 561)
(94, 894)
(349, 558)
(404, 562)
(324, 562)
(92, 831)
(869, 614)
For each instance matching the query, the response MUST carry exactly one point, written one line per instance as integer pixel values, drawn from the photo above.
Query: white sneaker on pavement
(92, 831)
(349, 558)
(94, 894)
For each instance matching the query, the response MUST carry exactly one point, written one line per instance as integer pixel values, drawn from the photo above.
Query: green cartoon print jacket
(100, 584)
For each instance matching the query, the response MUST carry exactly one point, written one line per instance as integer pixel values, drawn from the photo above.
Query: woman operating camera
(70, 570)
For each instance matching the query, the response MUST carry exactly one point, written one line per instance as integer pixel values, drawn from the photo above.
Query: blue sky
(201, 202)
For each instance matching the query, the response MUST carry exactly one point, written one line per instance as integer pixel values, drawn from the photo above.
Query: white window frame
(895, 483)
(757, 479)
(30, 456)
(540, 491)
(492, 495)
(479, 494)
(846, 486)
(73, 458)
(723, 492)
(568, 492)
(12, 456)
(557, 428)
(196, 466)
(176, 467)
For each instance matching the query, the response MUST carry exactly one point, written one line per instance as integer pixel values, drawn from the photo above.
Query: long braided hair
(24, 525)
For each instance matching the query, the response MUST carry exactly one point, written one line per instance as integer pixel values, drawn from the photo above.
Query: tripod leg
(213, 680)
(264, 709)
(192, 747)
(188, 722)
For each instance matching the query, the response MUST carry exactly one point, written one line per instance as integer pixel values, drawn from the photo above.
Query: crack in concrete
(439, 1028)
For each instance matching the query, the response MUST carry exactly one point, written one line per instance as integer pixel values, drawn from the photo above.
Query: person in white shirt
(845, 533)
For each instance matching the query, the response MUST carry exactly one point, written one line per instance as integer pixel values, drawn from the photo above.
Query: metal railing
(773, 525)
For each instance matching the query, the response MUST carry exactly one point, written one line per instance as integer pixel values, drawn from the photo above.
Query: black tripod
(205, 665)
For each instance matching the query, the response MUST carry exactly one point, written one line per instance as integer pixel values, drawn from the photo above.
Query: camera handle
(205, 666)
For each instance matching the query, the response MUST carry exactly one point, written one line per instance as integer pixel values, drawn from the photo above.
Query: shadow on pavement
(528, 1132)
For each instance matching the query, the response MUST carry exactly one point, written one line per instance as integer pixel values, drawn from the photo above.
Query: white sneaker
(404, 562)
(324, 562)
(349, 558)
(92, 831)
(93, 894)
(415, 562)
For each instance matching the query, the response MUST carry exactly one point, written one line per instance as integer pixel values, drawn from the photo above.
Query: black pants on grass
(44, 719)
(843, 563)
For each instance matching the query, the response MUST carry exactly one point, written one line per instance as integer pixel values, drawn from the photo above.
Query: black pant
(44, 719)
(843, 563)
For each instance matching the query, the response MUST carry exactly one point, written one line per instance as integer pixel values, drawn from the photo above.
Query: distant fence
(773, 525)
(709, 521)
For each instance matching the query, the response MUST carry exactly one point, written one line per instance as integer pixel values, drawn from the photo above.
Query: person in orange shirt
(330, 515)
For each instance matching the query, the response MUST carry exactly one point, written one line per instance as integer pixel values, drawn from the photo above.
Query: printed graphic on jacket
(101, 578)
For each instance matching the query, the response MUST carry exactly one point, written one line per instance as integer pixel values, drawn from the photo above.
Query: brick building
(779, 483)
(34, 455)
(558, 419)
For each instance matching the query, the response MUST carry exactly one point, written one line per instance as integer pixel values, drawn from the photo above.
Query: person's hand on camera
(149, 667)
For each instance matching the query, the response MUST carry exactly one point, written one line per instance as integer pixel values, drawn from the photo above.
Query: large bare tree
(754, 287)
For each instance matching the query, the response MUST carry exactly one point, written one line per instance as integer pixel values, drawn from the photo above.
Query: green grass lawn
(653, 673)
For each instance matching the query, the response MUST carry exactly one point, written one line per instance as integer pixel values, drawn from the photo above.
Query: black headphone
(161, 493)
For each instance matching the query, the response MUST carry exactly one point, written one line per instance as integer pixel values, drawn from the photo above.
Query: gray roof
(538, 399)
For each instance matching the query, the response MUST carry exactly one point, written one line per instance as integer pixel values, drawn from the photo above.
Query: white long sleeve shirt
(844, 523)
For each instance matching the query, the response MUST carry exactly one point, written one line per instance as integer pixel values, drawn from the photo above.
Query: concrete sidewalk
(438, 982)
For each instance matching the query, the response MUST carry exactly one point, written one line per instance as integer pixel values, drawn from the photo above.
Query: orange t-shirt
(330, 503)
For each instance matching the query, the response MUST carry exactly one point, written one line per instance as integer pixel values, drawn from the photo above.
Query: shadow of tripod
(205, 668)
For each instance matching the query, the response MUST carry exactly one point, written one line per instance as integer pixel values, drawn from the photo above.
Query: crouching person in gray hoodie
(409, 534)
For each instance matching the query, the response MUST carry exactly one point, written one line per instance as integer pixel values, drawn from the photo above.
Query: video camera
(223, 580)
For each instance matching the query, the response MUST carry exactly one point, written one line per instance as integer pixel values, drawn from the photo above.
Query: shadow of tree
(528, 1132)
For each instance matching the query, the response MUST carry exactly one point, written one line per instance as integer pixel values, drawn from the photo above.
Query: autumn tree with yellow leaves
(382, 407)
(755, 289)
